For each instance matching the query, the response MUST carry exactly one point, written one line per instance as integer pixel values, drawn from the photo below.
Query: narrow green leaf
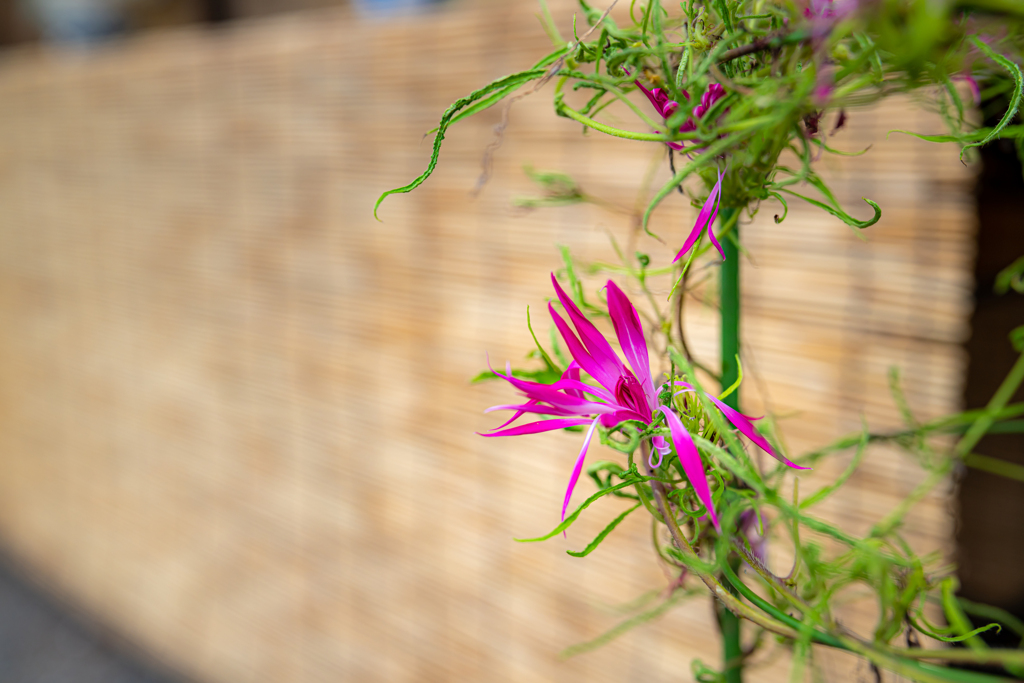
(544, 354)
(957, 639)
(995, 466)
(491, 100)
(735, 385)
(839, 213)
(548, 22)
(785, 207)
(545, 376)
(956, 617)
(627, 625)
(827, 490)
(1018, 85)
(601, 536)
(989, 612)
(575, 286)
(949, 137)
(572, 518)
(516, 79)
(1011, 277)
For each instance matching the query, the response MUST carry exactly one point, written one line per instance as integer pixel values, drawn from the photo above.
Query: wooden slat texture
(235, 420)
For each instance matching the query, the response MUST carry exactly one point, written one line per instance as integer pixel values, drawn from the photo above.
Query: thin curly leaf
(1011, 277)
(988, 612)
(971, 634)
(723, 12)
(954, 639)
(609, 466)
(839, 213)
(1018, 85)
(548, 22)
(949, 137)
(739, 379)
(839, 152)
(575, 286)
(1017, 338)
(491, 100)
(785, 207)
(604, 534)
(997, 466)
(631, 432)
(954, 97)
(516, 79)
(587, 503)
(628, 625)
(827, 490)
(552, 366)
(956, 617)
(610, 469)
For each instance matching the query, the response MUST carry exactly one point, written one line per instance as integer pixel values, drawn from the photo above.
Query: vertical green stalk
(730, 302)
(729, 623)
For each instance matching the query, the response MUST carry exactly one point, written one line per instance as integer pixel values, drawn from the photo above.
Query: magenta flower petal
(658, 97)
(609, 420)
(572, 373)
(746, 427)
(607, 377)
(549, 394)
(565, 410)
(574, 387)
(666, 107)
(689, 458)
(711, 230)
(534, 407)
(630, 332)
(542, 426)
(578, 467)
(714, 93)
(706, 218)
(518, 414)
(598, 347)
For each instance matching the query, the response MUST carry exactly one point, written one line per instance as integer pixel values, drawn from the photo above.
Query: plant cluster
(743, 95)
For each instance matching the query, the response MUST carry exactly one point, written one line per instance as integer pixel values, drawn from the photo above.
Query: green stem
(730, 303)
(728, 622)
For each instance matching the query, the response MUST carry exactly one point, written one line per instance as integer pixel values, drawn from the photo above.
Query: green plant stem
(729, 623)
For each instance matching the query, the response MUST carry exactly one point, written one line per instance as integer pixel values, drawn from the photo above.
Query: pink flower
(820, 9)
(625, 391)
(666, 107)
(745, 425)
(706, 218)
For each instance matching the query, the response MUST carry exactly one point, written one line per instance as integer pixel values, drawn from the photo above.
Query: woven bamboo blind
(235, 420)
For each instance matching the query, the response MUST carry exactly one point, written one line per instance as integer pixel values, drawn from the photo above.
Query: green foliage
(475, 102)
(783, 73)
(603, 535)
(1011, 277)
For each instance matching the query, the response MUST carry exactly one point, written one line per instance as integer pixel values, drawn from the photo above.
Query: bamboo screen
(235, 417)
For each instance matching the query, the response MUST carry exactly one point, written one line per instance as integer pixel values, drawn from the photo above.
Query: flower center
(630, 394)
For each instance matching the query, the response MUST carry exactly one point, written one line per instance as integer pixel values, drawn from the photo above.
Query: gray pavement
(43, 641)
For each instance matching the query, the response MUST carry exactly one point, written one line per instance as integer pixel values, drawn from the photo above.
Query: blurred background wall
(236, 424)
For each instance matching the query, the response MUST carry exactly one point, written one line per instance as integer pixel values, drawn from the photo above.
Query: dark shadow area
(990, 530)
(44, 641)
